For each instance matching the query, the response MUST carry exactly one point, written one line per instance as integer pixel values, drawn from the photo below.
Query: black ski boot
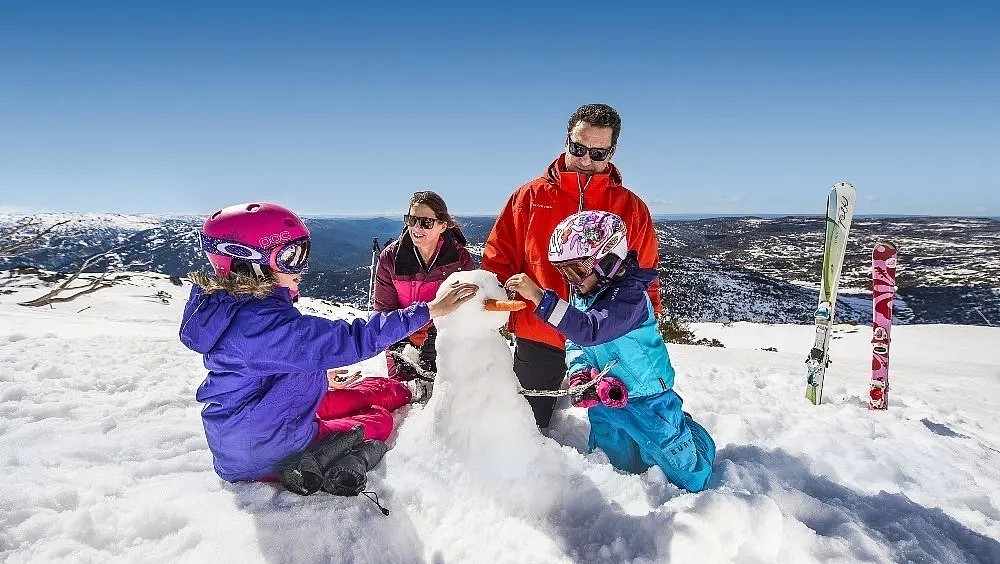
(302, 472)
(347, 475)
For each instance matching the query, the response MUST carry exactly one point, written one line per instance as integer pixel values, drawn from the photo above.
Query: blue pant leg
(670, 439)
(608, 430)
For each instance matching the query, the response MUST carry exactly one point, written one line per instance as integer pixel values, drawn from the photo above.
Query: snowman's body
(476, 419)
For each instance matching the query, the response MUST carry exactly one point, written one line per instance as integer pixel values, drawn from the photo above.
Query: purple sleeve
(614, 314)
(302, 343)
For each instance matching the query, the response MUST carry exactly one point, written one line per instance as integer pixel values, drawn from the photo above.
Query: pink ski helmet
(586, 242)
(258, 234)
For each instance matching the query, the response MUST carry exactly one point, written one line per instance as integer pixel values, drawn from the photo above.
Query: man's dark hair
(599, 115)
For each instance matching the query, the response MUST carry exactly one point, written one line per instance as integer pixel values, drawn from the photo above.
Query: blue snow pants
(653, 430)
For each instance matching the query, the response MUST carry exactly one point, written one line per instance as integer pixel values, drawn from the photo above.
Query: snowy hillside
(104, 458)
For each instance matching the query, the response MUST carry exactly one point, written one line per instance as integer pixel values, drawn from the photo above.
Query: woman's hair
(436, 204)
(238, 284)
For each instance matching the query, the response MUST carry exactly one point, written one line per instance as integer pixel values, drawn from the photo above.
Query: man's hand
(524, 285)
(337, 377)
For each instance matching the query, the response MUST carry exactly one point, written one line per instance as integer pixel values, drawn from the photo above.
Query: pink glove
(588, 396)
(612, 392)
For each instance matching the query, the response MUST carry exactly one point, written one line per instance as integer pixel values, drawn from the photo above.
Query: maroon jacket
(401, 278)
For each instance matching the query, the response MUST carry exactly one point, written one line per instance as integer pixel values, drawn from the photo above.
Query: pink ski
(883, 291)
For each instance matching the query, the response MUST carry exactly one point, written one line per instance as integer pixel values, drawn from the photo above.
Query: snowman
(476, 428)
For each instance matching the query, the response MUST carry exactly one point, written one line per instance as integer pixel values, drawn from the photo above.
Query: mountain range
(724, 269)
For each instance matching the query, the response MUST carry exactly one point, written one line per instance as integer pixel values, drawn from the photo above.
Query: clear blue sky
(182, 107)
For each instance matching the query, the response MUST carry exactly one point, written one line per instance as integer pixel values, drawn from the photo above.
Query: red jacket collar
(573, 181)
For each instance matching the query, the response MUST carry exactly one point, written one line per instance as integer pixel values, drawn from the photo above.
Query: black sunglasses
(423, 222)
(578, 151)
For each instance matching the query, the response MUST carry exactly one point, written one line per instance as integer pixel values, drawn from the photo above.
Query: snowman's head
(471, 316)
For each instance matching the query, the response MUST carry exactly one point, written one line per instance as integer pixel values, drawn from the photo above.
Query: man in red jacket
(582, 178)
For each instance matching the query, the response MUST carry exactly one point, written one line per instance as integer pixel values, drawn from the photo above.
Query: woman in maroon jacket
(412, 268)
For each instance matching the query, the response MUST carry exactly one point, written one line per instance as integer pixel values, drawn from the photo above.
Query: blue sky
(727, 108)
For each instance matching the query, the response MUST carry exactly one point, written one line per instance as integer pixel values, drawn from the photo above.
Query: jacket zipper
(582, 187)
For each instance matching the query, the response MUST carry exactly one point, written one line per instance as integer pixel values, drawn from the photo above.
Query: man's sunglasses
(578, 151)
(423, 222)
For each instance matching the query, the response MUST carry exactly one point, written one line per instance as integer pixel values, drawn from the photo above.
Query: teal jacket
(616, 324)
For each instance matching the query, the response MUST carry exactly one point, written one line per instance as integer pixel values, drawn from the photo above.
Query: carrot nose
(504, 305)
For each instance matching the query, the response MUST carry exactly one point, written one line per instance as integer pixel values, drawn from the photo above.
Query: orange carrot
(504, 305)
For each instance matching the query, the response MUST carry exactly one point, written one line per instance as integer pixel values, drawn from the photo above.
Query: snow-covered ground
(103, 457)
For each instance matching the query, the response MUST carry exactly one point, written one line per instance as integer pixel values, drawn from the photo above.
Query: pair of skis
(839, 214)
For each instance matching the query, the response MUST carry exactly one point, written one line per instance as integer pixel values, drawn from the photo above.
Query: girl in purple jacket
(412, 268)
(272, 389)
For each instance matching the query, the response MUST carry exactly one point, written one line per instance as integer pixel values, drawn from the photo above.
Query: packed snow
(104, 457)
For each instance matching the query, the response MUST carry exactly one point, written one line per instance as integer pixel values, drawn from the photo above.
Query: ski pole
(371, 277)
(976, 309)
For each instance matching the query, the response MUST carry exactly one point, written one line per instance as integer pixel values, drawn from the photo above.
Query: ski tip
(844, 189)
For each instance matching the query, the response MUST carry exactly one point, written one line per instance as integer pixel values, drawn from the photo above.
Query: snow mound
(104, 458)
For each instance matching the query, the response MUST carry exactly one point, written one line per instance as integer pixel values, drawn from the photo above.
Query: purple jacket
(267, 371)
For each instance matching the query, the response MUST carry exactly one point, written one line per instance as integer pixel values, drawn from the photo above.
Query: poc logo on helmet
(268, 241)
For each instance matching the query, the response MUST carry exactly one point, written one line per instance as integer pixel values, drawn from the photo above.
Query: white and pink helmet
(586, 242)
(258, 234)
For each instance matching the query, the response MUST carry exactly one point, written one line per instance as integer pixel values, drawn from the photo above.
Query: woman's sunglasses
(423, 222)
(578, 151)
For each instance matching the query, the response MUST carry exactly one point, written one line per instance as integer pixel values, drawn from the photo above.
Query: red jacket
(519, 241)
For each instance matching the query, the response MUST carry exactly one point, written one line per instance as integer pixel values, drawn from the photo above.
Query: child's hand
(454, 295)
(583, 396)
(338, 379)
(524, 285)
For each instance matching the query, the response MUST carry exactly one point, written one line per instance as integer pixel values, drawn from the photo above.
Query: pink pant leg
(376, 420)
(381, 392)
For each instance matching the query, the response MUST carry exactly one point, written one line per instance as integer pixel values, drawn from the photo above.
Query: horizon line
(397, 215)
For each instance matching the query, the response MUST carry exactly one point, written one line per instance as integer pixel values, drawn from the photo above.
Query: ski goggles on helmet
(574, 271)
(596, 154)
(290, 257)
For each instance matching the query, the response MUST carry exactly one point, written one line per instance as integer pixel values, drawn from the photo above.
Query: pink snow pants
(368, 403)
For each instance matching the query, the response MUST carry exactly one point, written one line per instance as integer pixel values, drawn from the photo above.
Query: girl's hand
(454, 296)
(524, 285)
(338, 379)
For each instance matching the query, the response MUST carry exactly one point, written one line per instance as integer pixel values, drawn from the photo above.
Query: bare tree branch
(18, 240)
(102, 281)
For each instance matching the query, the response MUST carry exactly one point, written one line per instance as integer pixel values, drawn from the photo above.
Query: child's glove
(586, 397)
(612, 392)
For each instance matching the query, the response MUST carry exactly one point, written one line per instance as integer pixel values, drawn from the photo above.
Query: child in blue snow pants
(617, 360)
